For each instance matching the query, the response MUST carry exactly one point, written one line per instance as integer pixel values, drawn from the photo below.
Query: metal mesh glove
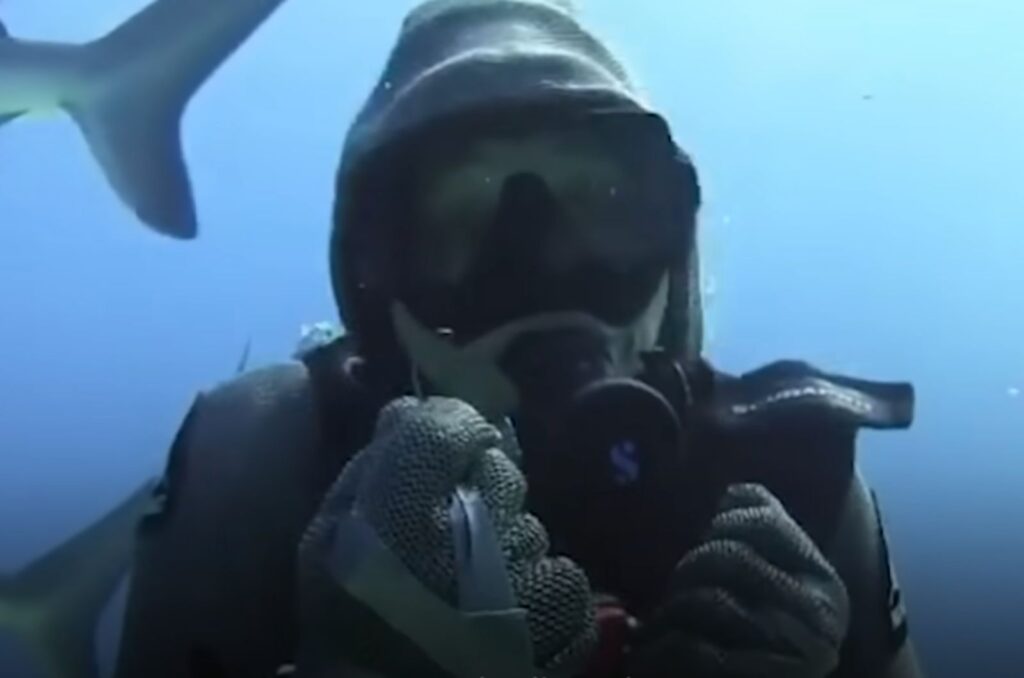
(402, 484)
(757, 598)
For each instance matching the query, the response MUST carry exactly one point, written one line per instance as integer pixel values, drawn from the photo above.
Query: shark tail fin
(130, 115)
(53, 605)
(4, 119)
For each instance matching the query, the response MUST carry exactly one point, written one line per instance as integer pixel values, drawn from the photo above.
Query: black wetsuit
(782, 426)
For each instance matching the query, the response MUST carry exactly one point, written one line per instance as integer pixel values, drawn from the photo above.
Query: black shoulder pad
(792, 392)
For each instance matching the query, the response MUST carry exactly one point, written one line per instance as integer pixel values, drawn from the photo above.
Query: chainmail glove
(756, 598)
(423, 456)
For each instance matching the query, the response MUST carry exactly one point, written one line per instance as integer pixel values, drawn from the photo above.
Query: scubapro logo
(625, 460)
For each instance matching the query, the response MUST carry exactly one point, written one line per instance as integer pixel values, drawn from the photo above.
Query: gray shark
(52, 606)
(128, 90)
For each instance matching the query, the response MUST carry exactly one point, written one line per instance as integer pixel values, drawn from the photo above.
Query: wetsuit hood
(459, 58)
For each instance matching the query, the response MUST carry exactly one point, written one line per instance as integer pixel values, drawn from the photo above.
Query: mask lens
(508, 222)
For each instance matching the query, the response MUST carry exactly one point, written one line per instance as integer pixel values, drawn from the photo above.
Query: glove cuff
(465, 643)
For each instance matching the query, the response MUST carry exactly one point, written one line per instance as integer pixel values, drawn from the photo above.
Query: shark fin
(128, 90)
(4, 119)
(54, 604)
(243, 361)
(142, 76)
(132, 128)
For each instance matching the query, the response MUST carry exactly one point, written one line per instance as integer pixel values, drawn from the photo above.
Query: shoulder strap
(787, 393)
(347, 408)
(793, 428)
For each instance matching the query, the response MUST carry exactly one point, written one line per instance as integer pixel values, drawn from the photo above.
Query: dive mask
(511, 217)
(532, 254)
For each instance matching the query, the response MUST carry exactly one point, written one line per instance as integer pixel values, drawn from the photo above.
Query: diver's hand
(756, 598)
(402, 486)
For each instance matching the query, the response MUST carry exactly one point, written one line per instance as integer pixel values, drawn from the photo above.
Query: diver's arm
(904, 664)
(878, 643)
(214, 568)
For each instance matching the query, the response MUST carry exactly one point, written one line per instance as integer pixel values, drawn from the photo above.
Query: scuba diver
(517, 461)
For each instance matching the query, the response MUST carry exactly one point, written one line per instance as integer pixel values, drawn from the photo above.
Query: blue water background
(862, 162)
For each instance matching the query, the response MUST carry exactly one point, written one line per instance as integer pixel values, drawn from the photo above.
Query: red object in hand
(613, 628)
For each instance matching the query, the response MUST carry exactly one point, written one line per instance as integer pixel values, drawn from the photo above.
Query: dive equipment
(618, 466)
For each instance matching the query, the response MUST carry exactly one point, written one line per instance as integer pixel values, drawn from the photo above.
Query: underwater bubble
(312, 337)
